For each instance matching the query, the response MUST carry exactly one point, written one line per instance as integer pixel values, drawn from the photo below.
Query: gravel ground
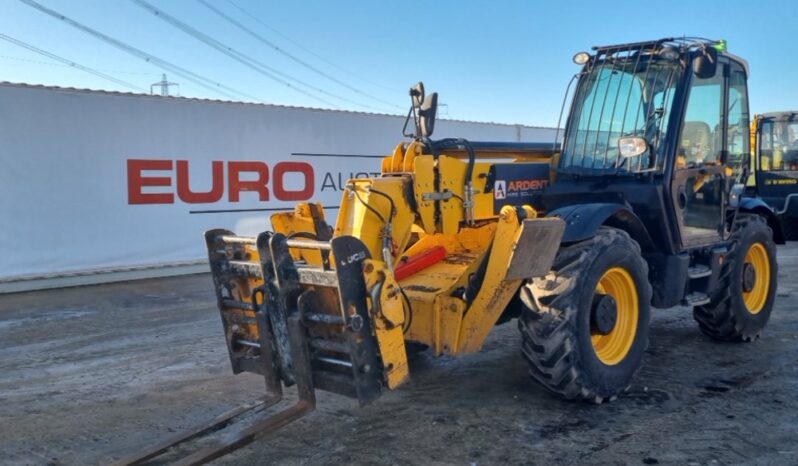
(89, 374)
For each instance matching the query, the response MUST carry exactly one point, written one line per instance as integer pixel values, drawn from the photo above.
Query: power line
(180, 71)
(302, 47)
(227, 50)
(49, 63)
(244, 59)
(70, 63)
(291, 56)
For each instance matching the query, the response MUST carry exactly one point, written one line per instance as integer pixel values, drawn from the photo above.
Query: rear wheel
(742, 303)
(585, 326)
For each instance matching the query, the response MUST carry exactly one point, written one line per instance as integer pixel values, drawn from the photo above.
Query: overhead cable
(70, 63)
(49, 63)
(308, 51)
(246, 60)
(202, 81)
(296, 59)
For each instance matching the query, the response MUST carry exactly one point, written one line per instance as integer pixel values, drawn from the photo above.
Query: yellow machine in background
(774, 168)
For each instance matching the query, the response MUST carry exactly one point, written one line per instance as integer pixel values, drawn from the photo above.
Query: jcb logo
(500, 190)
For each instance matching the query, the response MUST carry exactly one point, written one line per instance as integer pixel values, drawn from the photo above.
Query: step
(696, 298)
(698, 271)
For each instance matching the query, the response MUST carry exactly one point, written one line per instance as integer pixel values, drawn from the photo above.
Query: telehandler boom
(639, 207)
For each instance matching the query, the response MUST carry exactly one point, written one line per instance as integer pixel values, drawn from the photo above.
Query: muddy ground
(89, 374)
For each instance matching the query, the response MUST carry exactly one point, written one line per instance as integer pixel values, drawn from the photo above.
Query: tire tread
(719, 319)
(548, 329)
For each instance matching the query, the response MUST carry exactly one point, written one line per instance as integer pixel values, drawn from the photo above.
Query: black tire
(726, 317)
(555, 325)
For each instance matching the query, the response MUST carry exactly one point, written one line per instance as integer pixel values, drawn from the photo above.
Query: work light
(581, 58)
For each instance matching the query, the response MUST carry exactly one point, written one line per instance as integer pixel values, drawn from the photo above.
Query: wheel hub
(749, 277)
(603, 314)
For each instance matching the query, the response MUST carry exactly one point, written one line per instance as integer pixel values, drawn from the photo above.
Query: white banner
(96, 180)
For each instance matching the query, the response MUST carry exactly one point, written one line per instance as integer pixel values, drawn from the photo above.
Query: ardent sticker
(517, 184)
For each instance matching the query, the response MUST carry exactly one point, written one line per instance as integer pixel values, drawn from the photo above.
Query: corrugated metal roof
(238, 102)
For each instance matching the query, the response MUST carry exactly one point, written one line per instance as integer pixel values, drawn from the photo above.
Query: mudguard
(583, 220)
(755, 205)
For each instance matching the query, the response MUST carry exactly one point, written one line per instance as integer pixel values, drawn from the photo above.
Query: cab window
(700, 142)
(778, 146)
(737, 137)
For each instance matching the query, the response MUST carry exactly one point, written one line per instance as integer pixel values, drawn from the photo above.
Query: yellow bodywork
(420, 203)
(441, 318)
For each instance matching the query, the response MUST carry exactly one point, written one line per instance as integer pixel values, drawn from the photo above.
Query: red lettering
(294, 195)
(136, 181)
(255, 178)
(184, 191)
(236, 185)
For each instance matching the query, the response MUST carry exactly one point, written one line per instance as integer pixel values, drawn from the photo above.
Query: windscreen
(619, 97)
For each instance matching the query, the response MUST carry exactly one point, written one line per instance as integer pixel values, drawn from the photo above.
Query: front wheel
(585, 326)
(741, 304)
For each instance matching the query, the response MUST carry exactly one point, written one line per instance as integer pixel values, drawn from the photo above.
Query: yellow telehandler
(638, 207)
(774, 144)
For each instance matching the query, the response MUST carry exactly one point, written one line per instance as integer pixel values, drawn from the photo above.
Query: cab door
(710, 151)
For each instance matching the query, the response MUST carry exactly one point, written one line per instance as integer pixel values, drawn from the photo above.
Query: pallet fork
(277, 329)
(264, 425)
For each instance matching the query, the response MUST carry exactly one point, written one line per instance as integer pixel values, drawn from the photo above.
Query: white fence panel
(96, 182)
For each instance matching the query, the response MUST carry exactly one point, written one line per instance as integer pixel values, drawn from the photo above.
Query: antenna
(164, 85)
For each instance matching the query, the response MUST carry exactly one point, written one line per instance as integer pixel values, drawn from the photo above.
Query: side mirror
(423, 110)
(705, 64)
(426, 114)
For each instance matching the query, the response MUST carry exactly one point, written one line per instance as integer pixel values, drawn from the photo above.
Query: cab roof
(787, 115)
(683, 44)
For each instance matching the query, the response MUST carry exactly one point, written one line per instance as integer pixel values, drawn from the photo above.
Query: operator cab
(778, 142)
(660, 127)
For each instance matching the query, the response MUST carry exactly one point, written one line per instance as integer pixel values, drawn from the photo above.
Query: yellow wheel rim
(757, 257)
(613, 347)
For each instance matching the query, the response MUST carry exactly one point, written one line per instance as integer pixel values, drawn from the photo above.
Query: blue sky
(503, 61)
